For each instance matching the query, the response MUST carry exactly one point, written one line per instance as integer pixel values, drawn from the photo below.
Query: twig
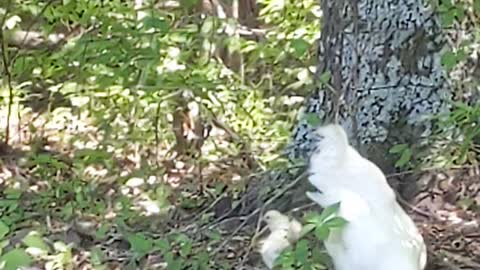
(413, 207)
(409, 172)
(258, 232)
(7, 72)
(305, 206)
(219, 219)
(260, 209)
(208, 208)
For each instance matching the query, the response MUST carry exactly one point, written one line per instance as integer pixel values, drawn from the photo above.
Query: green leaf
(92, 156)
(301, 251)
(313, 119)
(398, 148)
(329, 212)
(449, 60)
(448, 17)
(476, 6)
(325, 77)
(188, 4)
(300, 47)
(404, 158)
(139, 243)
(101, 232)
(208, 25)
(336, 222)
(4, 229)
(185, 248)
(35, 240)
(162, 244)
(307, 228)
(172, 262)
(322, 232)
(15, 259)
(156, 23)
(12, 193)
(202, 260)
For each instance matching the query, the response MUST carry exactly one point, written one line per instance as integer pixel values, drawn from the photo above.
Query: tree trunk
(383, 58)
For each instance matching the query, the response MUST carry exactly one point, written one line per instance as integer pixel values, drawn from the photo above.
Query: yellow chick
(283, 233)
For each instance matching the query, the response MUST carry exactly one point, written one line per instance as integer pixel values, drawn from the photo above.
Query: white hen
(283, 233)
(379, 234)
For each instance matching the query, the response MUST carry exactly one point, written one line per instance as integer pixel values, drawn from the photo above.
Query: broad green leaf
(322, 232)
(404, 158)
(208, 25)
(398, 148)
(325, 77)
(329, 212)
(185, 248)
(300, 47)
(139, 243)
(15, 259)
(336, 222)
(313, 119)
(476, 6)
(449, 60)
(172, 262)
(35, 240)
(447, 17)
(12, 193)
(162, 244)
(4, 229)
(101, 232)
(156, 23)
(301, 251)
(188, 4)
(307, 228)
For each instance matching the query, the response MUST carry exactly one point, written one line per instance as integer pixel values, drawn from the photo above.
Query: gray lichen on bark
(384, 57)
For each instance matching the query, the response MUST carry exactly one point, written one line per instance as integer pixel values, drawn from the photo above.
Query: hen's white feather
(379, 234)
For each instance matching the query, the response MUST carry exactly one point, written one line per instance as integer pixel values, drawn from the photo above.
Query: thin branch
(7, 72)
(259, 210)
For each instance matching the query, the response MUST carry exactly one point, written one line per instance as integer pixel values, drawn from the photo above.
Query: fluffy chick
(379, 234)
(284, 232)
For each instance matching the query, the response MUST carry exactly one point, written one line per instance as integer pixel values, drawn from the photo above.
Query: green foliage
(140, 244)
(324, 223)
(14, 259)
(451, 59)
(3, 230)
(36, 244)
(405, 153)
(463, 145)
(307, 254)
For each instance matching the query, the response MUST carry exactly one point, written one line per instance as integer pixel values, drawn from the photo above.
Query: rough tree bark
(384, 60)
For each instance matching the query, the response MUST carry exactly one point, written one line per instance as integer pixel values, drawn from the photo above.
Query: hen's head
(330, 140)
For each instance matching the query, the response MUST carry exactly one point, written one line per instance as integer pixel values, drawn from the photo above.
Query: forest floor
(79, 205)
